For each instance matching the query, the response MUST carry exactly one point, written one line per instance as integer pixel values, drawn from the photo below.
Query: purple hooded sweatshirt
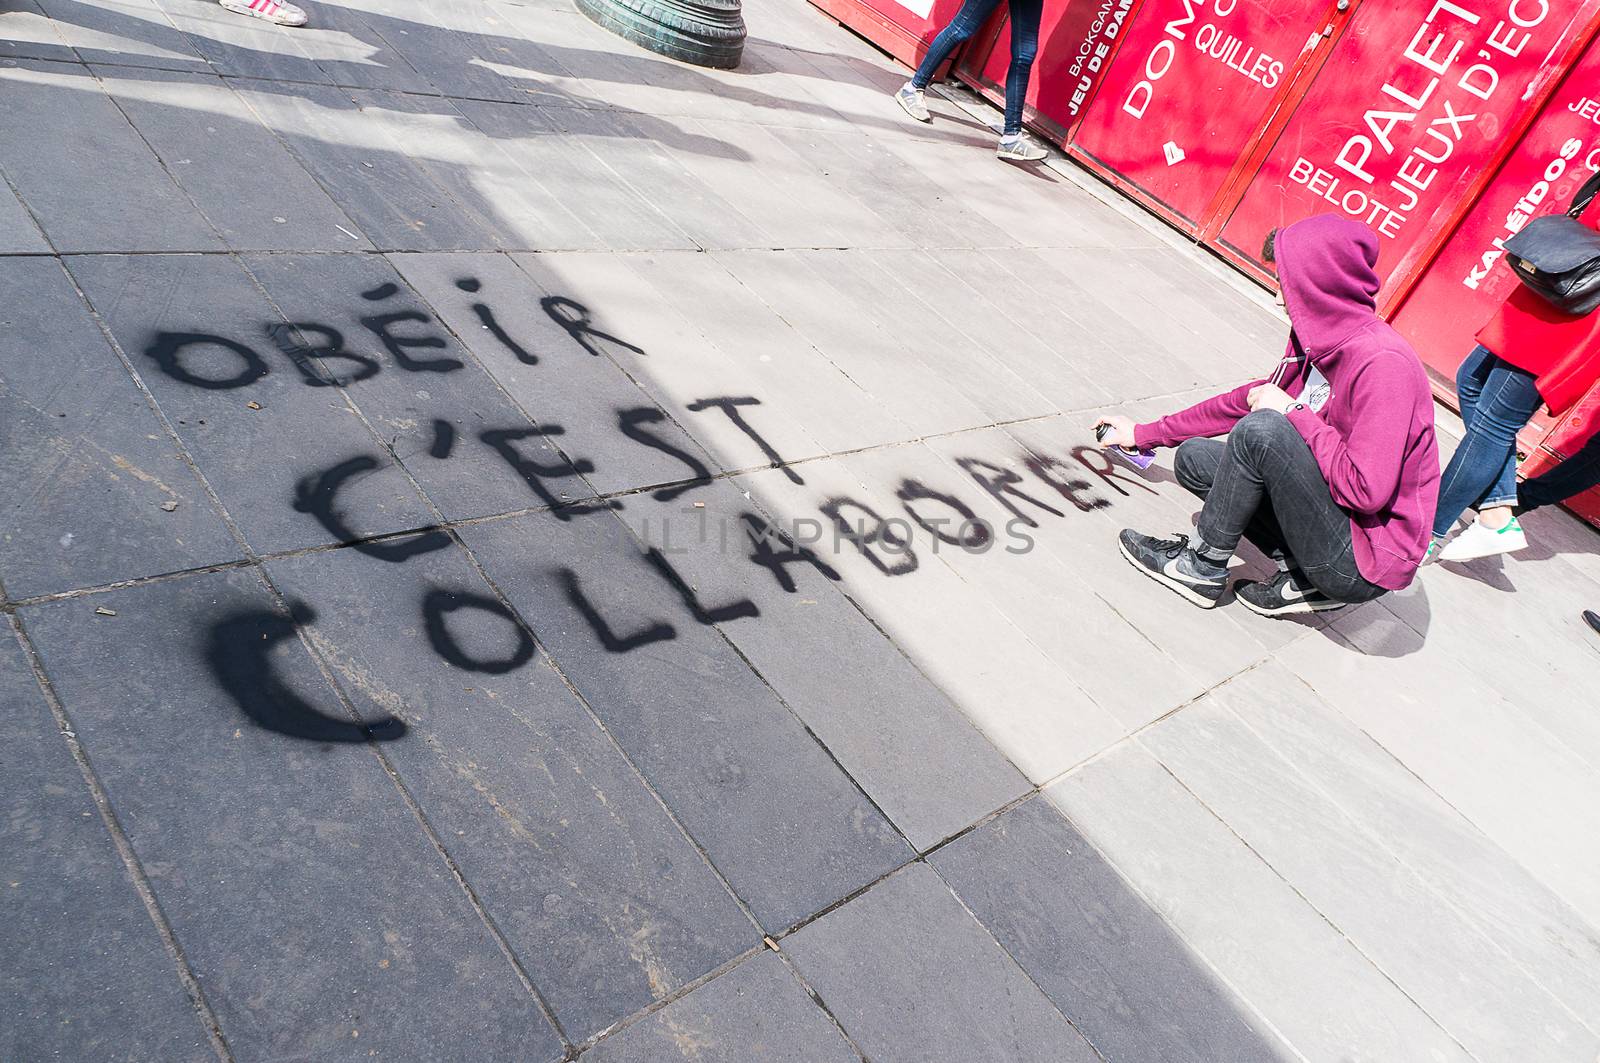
(1373, 440)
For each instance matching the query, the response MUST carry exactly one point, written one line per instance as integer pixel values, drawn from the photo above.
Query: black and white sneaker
(1285, 593)
(1173, 563)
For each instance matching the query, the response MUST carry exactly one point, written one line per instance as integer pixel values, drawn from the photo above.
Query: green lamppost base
(702, 32)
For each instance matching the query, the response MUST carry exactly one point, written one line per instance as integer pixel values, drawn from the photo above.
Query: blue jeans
(1497, 400)
(1024, 47)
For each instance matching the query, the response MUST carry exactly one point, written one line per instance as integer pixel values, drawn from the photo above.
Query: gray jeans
(1263, 484)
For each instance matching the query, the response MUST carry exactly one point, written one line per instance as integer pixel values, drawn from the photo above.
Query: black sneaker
(1285, 593)
(1174, 564)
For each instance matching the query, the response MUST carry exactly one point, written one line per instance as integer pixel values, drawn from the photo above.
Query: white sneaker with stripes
(277, 12)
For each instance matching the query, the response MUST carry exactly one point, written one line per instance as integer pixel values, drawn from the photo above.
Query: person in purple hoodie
(1330, 465)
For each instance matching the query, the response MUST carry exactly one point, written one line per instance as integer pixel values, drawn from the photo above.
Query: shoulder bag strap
(1585, 196)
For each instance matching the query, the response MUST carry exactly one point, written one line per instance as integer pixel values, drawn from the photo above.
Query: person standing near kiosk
(1014, 143)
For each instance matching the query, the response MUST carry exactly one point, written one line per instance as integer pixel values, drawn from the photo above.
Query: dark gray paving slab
(756, 1013)
(17, 229)
(435, 408)
(318, 918)
(788, 829)
(282, 468)
(1101, 953)
(897, 734)
(237, 172)
(912, 976)
(606, 200)
(485, 65)
(546, 372)
(57, 128)
(133, 33)
(86, 975)
(32, 35)
(635, 145)
(390, 193)
(1464, 980)
(242, 47)
(90, 472)
(605, 902)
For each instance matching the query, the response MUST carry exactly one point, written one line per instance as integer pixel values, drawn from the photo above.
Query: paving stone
(18, 233)
(317, 917)
(1129, 357)
(448, 62)
(794, 375)
(261, 462)
(608, 202)
(890, 287)
(1021, 700)
(465, 467)
(87, 975)
(883, 965)
(375, 164)
(633, 145)
(756, 1013)
(785, 826)
(57, 126)
(30, 34)
(858, 347)
(132, 33)
(1099, 951)
(1299, 973)
(604, 901)
(681, 369)
(1043, 592)
(1527, 791)
(91, 470)
(565, 386)
(1457, 974)
(1502, 897)
(248, 186)
(897, 734)
(242, 47)
(794, 204)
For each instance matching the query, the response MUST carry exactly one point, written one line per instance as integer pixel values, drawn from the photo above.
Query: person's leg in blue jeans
(1497, 400)
(1024, 48)
(967, 22)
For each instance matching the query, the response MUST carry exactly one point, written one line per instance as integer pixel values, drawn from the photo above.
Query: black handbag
(1558, 257)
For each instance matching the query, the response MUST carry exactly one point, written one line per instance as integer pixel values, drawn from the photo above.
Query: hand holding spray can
(1139, 459)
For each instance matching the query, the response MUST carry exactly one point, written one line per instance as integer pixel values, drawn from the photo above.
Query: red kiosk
(1444, 124)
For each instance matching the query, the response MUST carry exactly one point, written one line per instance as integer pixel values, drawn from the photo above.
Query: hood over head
(1327, 269)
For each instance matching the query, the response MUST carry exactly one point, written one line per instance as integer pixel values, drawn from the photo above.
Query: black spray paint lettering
(1046, 468)
(398, 346)
(1105, 467)
(730, 404)
(777, 559)
(631, 423)
(1002, 484)
(971, 533)
(742, 609)
(882, 536)
(535, 473)
(292, 339)
(575, 318)
(444, 439)
(487, 319)
(318, 494)
(652, 631)
(438, 604)
(164, 349)
(239, 654)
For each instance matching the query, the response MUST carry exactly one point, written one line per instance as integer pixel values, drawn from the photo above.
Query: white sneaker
(911, 99)
(277, 12)
(1482, 541)
(1018, 148)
